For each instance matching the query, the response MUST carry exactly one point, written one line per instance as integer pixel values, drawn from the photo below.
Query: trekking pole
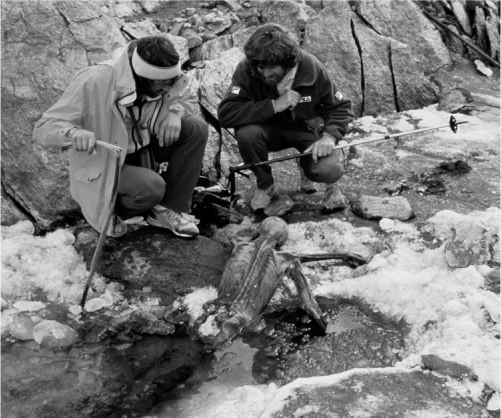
(237, 169)
(102, 235)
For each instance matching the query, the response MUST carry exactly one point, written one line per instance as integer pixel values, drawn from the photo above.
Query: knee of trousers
(248, 135)
(196, 128)
(327, 170)
(151, 193)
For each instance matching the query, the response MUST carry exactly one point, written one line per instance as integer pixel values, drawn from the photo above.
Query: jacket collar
(125, 86)
(306, 73)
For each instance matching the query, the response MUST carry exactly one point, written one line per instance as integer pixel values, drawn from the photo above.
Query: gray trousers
(255, 141)
(139, 188)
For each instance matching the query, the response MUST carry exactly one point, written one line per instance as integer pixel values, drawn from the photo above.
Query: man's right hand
(83, 140)
(288, 100)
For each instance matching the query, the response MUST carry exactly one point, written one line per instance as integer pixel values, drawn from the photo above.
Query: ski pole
(102, 235)
(452, 124)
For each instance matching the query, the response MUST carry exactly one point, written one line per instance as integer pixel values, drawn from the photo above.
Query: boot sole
(156, 224)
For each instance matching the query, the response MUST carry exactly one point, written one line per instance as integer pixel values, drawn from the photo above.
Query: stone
(449, 368)
(492, 28)
(22, 327)
(192, 37)
(371, 207)
(288, 13)
(95, 304)
(151, 6)
(279, 206)
(6, 320)
(455, 100)
(53, 334)
(462, 17)
(231, 4)
(483, 69)
(491, 304)
(28, 306)
(334, 199)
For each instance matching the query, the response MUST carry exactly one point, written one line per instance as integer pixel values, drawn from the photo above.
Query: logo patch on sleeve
(235, 90)
(305, 99)
(338, 95)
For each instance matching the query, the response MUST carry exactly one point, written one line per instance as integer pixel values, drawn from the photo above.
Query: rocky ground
(133, 350)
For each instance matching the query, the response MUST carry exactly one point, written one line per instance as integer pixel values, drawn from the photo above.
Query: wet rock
(455, 100)
(144, 322)
(371, 207)
(88, 381)
(52, 334)
(385, 392)
(449, 368)
(334, 199)
(22, 327)
(279, 206)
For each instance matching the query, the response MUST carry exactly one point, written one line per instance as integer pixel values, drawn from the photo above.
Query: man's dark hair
(157, 50)
(271, 44)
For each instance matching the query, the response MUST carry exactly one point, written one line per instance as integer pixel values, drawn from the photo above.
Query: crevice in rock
(18, 205)
(354, 7)
(393, 83)
(362, 76)
(68, 23)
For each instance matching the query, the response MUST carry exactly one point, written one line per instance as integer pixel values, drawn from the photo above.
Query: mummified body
(253, 271)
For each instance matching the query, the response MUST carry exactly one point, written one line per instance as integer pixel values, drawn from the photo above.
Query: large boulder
(337, 49)
(43, 45)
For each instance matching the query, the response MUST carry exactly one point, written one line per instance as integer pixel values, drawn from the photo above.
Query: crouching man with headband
(140, 102)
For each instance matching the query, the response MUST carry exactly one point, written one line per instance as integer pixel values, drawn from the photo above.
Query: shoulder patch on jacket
(235, 90)
(338, 95)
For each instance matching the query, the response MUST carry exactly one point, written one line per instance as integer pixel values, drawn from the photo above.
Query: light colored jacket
(96, 100)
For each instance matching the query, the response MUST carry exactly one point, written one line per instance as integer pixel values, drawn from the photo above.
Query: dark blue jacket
(248, 99)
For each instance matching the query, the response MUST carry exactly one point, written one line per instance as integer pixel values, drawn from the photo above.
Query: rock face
(381, 54)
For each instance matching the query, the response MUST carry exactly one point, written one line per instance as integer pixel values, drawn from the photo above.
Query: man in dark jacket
(282, 97)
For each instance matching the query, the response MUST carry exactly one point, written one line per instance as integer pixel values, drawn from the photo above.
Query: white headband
(152, 72)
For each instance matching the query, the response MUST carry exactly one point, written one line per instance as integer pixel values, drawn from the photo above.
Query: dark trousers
(255, 141)
(139, 188)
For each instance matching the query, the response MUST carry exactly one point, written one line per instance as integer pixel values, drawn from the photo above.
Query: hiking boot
(116, 227)
(307, 185)
(262, 198)
(180, 224)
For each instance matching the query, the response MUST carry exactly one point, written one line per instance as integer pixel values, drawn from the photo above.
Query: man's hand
(168, 130)
(83, 140)
(322, 147)
(288, 100)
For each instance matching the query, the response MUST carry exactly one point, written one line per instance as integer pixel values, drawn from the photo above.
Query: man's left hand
(322, 147)
(169, 129)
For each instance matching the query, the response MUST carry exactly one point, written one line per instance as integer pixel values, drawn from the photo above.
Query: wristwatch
(70, 132)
